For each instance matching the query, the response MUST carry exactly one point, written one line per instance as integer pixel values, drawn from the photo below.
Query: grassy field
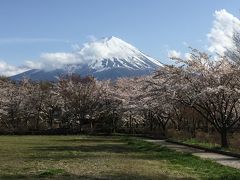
(89, 157)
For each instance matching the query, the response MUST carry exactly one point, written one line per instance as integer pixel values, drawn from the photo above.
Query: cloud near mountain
(50, 61)
(221, 34)
(10, 70)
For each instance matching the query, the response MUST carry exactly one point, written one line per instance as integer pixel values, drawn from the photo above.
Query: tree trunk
(113, 122)
(130, 123)
(151, 120)
(164, 133)
(113, 125)
(50, 115)
(91, 125)
(224, 140)
(37, 123)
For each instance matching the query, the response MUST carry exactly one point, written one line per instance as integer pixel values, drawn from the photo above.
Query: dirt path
(219, 158)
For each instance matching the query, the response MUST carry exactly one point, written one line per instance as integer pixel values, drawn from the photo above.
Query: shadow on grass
(102, 139)
(124, 148)
(117, 176)
(61, 174)
(113, 148)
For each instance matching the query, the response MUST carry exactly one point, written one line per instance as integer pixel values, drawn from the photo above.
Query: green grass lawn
(89, 157)
(210, 145)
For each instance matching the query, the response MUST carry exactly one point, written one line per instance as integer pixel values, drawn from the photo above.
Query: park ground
(100, 157)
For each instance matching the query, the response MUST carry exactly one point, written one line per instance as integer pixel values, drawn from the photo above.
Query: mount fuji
(107, 58)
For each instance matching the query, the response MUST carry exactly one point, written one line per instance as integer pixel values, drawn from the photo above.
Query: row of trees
(196, 92)
(71, 103)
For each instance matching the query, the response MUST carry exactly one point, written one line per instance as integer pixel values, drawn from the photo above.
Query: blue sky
(29, 28)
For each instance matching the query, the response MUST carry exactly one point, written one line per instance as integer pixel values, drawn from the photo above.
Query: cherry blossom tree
(81, 100)
(158, 101)
(211, 87)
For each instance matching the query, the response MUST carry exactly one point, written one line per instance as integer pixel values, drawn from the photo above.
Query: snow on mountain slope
(113, 52)
(107, 58)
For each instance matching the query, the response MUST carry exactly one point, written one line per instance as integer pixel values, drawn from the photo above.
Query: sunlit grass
(89, 157)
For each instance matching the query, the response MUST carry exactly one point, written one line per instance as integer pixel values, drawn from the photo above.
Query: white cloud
(10, 70)
(50, 61)
(174, 53)
(224, 26)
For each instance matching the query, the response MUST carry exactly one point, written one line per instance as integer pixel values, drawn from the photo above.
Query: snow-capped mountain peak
(113, 52)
